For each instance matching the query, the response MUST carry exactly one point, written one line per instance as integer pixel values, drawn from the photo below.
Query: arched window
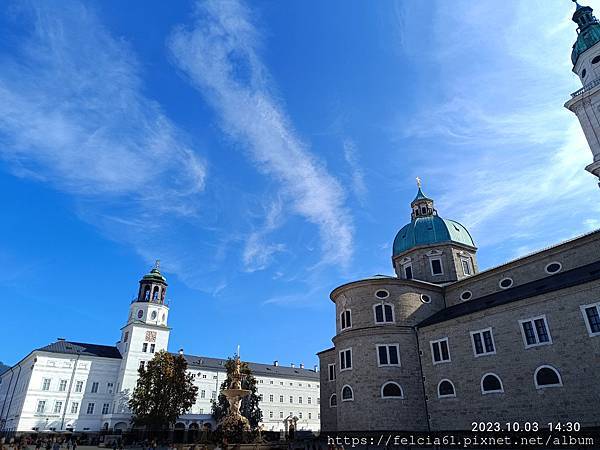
(384, 313)
(155, 293)
(491, 383)
(333, 401)
(446, 389)
(547, 376)
(391, 390)
(347, 393)
(147, 293)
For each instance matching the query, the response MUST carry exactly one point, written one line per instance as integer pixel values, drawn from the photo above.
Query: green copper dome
(427, 228)
(588, 31)
(430, 230)
(155, 274)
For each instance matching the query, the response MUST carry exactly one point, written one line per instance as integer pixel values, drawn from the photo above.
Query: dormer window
(466, 265)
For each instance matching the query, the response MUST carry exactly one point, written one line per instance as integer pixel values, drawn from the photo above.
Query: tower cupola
(153, 286)
(422, 206)
(588, 31)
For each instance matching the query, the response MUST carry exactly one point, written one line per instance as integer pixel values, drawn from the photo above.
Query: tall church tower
(585, 102)
(145, 333)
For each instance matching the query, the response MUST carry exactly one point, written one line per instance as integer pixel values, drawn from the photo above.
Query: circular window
(583, 73)
(140, 314)
(466, 295)
(425, 298)
(596, 59)
(154, 314)
(382, 293)
(554, 267)
(505, 283)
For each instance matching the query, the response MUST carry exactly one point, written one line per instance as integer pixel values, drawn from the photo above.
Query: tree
(164, 391)
(249, 407)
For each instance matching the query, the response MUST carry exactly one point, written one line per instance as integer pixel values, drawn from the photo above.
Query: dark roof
(203, 362)
(561, 280)
(74, 348)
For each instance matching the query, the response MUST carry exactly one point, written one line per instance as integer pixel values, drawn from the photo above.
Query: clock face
(151, 336)
(140, 314)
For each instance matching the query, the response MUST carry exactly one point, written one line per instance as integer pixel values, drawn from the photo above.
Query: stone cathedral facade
(443, 344)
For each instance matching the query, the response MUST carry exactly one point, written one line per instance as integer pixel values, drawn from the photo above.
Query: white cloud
(219, 55)
(358, 177)
(258, 253)
(73, 114)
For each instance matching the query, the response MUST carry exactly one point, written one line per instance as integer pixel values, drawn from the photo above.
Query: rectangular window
(331, 368)
(591, 315)
(535, 331)
(145, 347)
(105, 408)
(62, 385)
(466, 265)
(126, 336)
(46, 384)
(152, 348)
(74, 407)
(384, 313)
(57, 407)
(439, 351)
(78, 386)
(388, 355)
(309, 400)
(142, 365)
(41, 406)
(346, 359)
(299, 399)
(110, 387)
(300, 415)
(318, 401)
(203, 394)
(90, 408)
(213, 395)
(310, 415)
(271, 398)
(281, 398)
(281, 414)
(94, 387)
(408, 272)
(291, 399)
(346, 319)
(436, 266)
(204, 376)
(483, 342)
(270, 414)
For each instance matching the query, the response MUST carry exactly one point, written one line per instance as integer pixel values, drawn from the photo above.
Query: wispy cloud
(513, 157)
(73, 114)
(258, 253)
(219, 54)
(358, 178)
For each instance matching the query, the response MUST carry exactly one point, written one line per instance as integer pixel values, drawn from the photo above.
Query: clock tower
(145, 333)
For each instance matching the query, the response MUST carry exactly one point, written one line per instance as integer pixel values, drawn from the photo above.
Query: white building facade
(79, 387)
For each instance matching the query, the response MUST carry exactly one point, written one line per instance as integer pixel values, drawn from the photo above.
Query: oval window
(140, 314)
(425, 298)
(382, 293)
(596, 59)
(505, 283)
(583, 73)
(466, 295)
(154, 314)
(553, 267)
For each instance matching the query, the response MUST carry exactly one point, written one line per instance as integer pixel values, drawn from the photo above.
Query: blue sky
(266, 152)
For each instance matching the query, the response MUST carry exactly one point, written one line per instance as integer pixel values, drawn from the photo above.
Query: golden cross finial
(157, 264)
(418, 182)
